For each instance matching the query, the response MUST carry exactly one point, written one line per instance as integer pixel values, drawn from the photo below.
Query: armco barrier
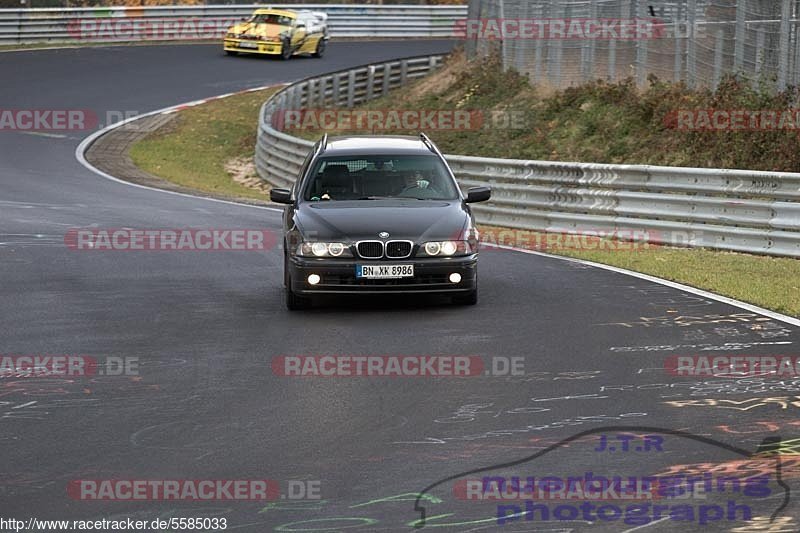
(19, 26)
(739, 210)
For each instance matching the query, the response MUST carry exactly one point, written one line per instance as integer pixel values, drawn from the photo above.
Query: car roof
(281, 12)
(375, 145)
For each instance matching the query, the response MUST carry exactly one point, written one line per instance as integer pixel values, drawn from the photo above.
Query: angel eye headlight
(335, 249)
(323, 249)
(319, 249)
(432, 248)
(448, 248)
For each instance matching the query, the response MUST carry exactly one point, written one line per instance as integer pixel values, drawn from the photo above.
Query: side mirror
(281, 196)
(478, 194)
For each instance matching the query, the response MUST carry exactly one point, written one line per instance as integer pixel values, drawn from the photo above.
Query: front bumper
(261, 47)
(339, 276)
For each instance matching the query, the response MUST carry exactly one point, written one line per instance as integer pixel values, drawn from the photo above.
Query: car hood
(416, 220)
(259, 30)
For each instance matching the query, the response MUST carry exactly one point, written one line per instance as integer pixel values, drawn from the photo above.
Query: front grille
(398, 249)
(370, 249)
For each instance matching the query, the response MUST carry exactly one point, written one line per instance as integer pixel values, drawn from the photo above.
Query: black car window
(272, 19)
(420, 177)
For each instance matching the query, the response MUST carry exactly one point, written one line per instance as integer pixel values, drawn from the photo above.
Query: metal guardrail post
(351, 88)
(335, 89)
(370, 81)
(404, 72)
(310, 94)
(387, 76)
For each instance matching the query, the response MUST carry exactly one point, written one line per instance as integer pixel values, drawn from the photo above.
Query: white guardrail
(115, 24)
(738, 210)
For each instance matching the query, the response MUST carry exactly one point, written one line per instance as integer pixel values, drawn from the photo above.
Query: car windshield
(421, 177)
(272, 19)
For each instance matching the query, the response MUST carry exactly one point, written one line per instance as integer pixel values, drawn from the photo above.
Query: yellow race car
(281, 32)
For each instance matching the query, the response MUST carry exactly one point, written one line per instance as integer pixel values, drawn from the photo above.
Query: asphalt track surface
(205, 327)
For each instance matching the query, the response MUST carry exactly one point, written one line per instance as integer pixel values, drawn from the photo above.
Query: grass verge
(193, 152)
(598, 122)
(769, 282)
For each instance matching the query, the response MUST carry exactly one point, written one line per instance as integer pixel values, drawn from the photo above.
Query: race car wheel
(286, 49)
(320, 48)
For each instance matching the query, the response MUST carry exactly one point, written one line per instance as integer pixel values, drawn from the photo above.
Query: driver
(415, 180)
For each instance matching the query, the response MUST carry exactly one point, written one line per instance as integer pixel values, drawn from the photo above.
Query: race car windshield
(280, 20)
(418, 177)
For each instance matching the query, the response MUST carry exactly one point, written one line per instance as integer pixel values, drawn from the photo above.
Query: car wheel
(470, 298)
(320, 48)
(293, 301)
(231, 52)
(286, 49)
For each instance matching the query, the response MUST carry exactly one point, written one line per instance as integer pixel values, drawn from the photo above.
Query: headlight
(323, 249)
(433, 248)
(446, 248)
(320, 249)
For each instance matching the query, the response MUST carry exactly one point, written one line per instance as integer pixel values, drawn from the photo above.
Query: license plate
(245, 44)
(384, 271)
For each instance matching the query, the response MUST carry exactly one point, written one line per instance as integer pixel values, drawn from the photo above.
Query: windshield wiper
(377, 198)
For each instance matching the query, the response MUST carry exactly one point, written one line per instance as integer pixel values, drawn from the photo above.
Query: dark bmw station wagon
(378, 214)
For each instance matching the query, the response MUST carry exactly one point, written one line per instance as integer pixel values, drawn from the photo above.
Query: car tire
(470, 298)
(293, 301)
(320, 51)
(231, 52)
(286, 49)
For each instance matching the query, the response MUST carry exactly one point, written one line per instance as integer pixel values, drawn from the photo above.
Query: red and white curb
(181, 107)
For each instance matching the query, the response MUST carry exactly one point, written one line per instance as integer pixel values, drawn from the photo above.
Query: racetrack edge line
(673, 284)
(80, 151)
